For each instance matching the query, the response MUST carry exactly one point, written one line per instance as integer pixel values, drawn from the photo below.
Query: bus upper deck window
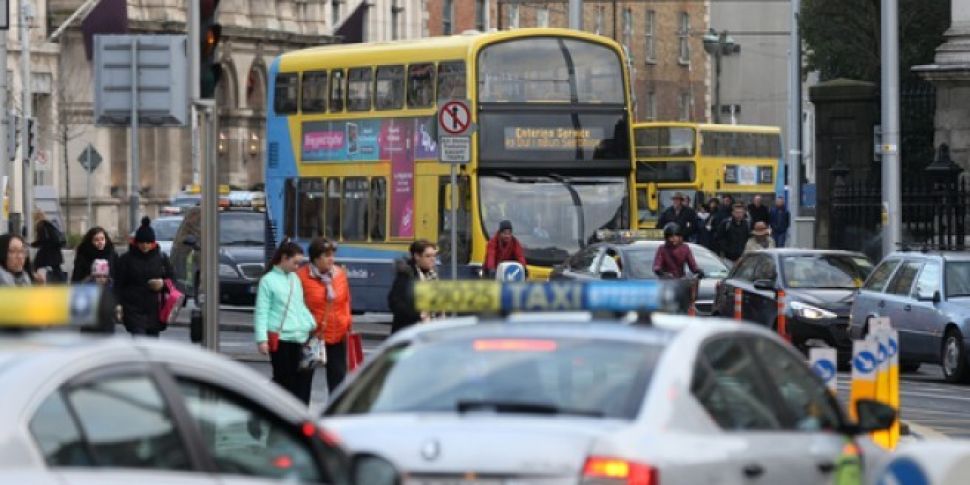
(359, 89)
(420, 85)
(286, 93)
(389, 88)
(314, 98)
(337, 90)
(451, 80)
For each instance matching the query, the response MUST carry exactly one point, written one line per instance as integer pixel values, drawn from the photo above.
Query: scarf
(326, 278)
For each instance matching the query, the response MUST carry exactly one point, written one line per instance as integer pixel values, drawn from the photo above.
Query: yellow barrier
(875, 374)
(864, 366)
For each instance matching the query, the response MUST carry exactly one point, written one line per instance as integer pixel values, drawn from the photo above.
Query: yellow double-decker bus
(352, 148)
(703, 161)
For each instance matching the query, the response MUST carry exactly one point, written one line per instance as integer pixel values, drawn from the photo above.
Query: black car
(819, 287)
(634, 260)
(242, 238)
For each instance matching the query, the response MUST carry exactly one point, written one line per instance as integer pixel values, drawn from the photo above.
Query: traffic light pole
(210, 227)
(27, 177)
(134, 189)
(192, 27)
(6, 120)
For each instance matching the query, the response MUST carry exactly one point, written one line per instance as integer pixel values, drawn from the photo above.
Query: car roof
(809, 252)
(947, 255)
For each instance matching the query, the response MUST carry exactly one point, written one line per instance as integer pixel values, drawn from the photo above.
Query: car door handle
(882, 303)
(908, 307)
(826, 467)
(753, 470)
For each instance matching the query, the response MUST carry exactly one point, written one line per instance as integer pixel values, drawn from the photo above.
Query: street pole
(454, 222)
(88, 169)
(195, 41)
(891, 214)
(134, 182)
(6, 121)
(26, 15)
(576, 14)
(718, 53)
(210, 227)
(794, 167)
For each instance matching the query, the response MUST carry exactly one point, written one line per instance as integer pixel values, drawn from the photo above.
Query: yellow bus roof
(709, 126)
(460, 46)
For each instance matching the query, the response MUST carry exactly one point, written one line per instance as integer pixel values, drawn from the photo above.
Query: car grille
(704, 307)
(251, 271)
(472, 479)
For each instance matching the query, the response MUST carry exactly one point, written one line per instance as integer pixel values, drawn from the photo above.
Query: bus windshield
(550, 69)
(544, 213)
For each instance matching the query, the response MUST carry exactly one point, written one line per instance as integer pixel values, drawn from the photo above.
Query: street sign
(455, 149)
(454, 117)
(90, 158)
(160, 95)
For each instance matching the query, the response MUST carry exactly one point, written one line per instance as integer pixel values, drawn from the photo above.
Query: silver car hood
(543, 448)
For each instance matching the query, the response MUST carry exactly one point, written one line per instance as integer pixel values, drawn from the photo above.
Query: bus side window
(310, 208)
(332, 229)
(451, 80)
(314, 97)
(359, 89)
(420, 85)
(355, 209)
(337, 90)
(378, 208)
(286, 93)
(444, 220)
(389, 88)
(289, 207)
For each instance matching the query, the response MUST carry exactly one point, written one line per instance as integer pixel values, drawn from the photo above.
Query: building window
(542, 17)
(652, 105)
(335, 12)
(396, 10)
(446, 14)
(684, 33)
(600, 10)
(651, 45)
(627, 28)
(480, 7)
(514, 16)
(684, 106)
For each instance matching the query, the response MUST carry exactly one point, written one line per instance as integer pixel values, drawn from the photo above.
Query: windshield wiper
(577, 203)
(467, 405)
(243, 242)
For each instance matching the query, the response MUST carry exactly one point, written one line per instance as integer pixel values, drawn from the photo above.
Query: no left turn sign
(454, 117)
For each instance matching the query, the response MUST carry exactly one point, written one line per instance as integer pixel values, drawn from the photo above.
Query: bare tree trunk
(67, 176)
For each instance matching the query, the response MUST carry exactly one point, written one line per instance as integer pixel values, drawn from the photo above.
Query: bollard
(885, 340)
(737, 303)
(863, 384)
(782, 324)
(824, 363)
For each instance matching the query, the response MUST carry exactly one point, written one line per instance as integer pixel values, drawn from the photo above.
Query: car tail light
(310, 430)
(603, 470)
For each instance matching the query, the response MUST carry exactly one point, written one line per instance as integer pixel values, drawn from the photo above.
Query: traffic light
(209, 69)
(13, 136)
(31, 137)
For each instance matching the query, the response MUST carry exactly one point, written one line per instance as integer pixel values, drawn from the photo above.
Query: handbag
(314, 353)
(355, 350)
(170, 301)
(274, 337)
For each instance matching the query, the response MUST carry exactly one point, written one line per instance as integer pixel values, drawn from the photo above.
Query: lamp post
(719, 44)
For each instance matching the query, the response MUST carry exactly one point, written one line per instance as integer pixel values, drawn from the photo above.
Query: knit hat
(504, 225)
(100, 268)
(145, 233)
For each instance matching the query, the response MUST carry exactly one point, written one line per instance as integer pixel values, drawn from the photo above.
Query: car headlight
(226, 271)
(810, 312)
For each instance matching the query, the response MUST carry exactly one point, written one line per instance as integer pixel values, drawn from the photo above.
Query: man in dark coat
(419, 266)
(757, 211)
(683, 216)
(49, 241)
(733, 233)
(779, 219)
(139, 280)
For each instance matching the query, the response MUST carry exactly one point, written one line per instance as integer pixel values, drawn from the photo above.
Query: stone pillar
(845, 113)
(950, 73)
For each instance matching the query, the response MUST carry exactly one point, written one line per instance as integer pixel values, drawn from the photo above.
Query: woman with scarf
(95, 245)
(503, 247)
(418, 267)
(326, 293)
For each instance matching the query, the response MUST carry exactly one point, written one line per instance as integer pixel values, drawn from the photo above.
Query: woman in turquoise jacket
(280, 309)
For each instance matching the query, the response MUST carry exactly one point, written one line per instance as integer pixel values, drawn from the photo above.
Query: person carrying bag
(327, 295)
(283, 325)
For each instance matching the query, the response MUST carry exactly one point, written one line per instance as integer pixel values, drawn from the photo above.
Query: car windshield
(165, 229)
(544, 212)
(568, 376)
(957, 278)
(824, 271)
(186, 201)
(241, 229)
(640, 262)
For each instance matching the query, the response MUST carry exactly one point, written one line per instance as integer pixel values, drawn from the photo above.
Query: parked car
(634, 261)
(819, 287)
(241, 254)
(926, 296)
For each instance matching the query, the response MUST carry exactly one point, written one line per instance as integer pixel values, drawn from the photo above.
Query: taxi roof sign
(24, 307)
(629, 235)
(474, 296)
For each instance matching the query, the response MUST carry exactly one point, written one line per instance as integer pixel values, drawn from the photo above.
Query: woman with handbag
(139, 281)
(327, 295)
(282, 323)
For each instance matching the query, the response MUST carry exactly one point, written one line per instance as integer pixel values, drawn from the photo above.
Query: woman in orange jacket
(327, 295)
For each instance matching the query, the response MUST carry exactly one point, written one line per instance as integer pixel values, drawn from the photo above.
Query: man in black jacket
(733, 233)
(684, 216)
(419, 266)
(758, 211)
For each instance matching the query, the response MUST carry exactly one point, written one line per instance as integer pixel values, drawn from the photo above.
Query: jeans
(779, 239)
(336, 364)
(287, 373)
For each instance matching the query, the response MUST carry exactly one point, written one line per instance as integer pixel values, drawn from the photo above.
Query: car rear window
(568, 376)
(641, 263)
(957, 278)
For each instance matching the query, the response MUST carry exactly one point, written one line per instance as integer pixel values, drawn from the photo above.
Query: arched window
(256, 88)
(226, 88)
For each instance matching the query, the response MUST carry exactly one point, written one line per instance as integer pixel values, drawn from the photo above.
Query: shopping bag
(169, 303)
(355, 350)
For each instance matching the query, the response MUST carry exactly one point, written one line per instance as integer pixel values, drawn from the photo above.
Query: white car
(681, 401)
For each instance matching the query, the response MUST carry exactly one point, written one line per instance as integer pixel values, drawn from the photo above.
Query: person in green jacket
(280, 310)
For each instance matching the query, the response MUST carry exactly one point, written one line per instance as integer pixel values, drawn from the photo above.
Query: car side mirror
(764, 284)
(873, 416)
(372, 469)
(610, 275)
(937, 297)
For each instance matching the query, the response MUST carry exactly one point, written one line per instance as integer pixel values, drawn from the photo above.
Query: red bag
(274, 341)
(355, 350)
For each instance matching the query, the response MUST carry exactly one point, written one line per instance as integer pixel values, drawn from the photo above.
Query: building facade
(669, 66)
